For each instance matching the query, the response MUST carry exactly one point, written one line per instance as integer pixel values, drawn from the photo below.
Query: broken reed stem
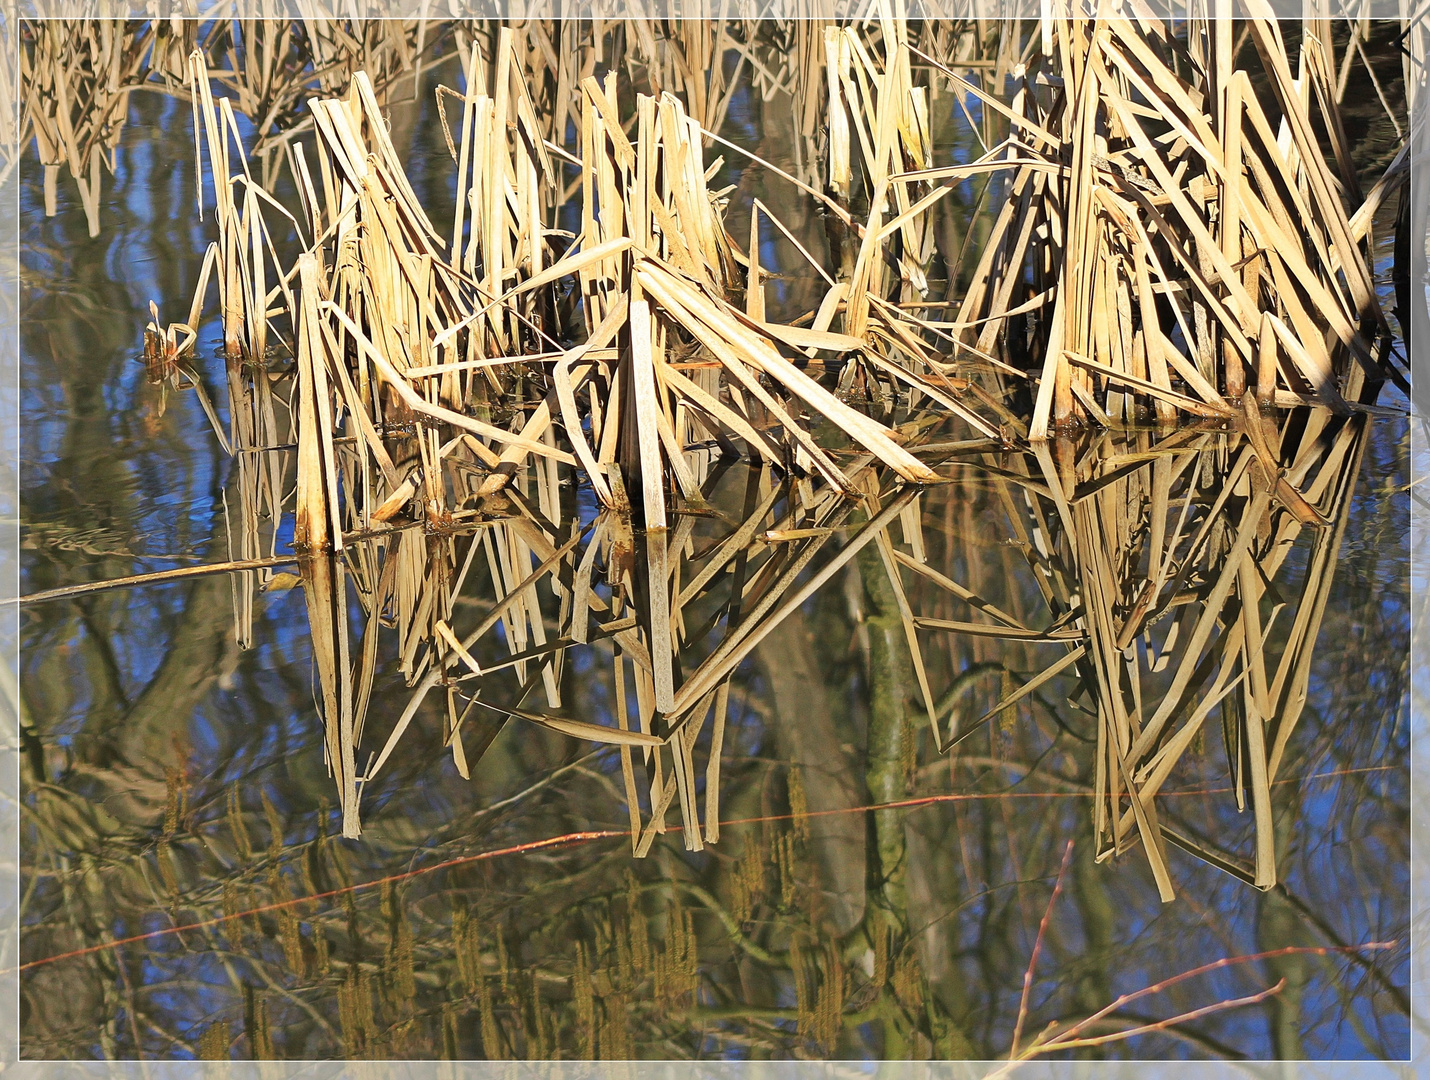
(158, 577)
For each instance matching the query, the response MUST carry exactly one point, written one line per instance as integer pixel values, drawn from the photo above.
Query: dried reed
(465, 382)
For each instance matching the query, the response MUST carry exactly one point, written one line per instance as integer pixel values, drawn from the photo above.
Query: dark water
(171, 780)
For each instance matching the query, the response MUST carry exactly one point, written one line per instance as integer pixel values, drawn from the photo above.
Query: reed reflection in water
(918, 922)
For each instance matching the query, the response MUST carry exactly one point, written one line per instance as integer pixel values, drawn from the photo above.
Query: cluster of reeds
(76, 77)
(465, 385)
(434, 385)
(14, 119)
(1170, 239)
(77, 74)
(272, 68)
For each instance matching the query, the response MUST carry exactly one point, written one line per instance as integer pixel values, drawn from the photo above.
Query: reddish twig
(1216, 965)
(1058, 1042)
(534, 845)
(1037, 948)
(581, 837)
(1067, 1038)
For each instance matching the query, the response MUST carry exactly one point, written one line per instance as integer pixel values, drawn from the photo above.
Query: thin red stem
(1038, 948)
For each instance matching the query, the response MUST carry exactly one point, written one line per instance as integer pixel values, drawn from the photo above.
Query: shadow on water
(1212, 616)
